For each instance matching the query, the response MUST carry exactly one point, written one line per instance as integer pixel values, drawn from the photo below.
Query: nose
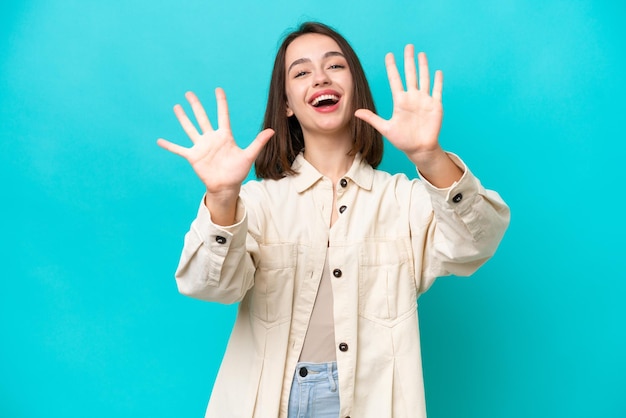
(321, 78)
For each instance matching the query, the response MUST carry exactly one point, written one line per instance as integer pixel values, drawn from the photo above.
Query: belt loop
(331, 379)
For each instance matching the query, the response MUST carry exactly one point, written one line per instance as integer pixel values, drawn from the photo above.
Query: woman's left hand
(417, 114)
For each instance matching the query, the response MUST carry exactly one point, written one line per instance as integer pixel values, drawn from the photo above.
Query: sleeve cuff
(455, 194)
(459, 198)
(220, 238)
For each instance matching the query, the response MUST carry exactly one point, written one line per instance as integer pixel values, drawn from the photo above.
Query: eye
(336, 67)
(299, 74)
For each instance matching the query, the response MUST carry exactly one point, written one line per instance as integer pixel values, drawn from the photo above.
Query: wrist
(222, 206)
(438, 168)
(425, 160)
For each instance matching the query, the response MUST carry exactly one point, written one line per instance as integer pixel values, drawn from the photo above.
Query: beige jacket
(392, 239)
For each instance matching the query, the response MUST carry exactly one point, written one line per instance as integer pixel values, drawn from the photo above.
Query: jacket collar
(361, 173)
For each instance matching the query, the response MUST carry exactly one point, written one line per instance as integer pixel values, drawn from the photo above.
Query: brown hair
(275, 159)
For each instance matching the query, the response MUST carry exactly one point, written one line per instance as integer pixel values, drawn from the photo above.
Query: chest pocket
(272, 293)
(386, 280)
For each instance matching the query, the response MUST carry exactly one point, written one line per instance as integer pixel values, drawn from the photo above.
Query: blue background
(93, 212)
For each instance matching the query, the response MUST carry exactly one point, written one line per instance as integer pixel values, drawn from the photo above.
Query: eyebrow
(326, 55)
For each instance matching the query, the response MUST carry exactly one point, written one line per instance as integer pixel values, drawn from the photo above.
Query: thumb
(373, 119)
(173, 148)
(258, 143)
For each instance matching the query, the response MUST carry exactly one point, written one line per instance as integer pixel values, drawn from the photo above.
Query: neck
(329, 154)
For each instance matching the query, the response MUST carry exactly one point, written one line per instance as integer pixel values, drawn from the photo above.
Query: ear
(289, 111)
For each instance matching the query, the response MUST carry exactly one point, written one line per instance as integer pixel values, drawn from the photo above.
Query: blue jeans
(314, 391)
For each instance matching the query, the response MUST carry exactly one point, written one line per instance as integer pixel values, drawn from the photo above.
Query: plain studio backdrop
(94, 213)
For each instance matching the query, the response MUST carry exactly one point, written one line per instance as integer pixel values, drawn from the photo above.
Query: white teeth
(324, 97)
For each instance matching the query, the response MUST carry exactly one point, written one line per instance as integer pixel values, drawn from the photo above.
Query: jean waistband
(316, 371)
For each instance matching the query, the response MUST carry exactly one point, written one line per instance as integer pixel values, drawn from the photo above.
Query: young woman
(327, 255)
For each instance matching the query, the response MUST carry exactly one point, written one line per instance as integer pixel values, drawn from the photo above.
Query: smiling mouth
(325, 100)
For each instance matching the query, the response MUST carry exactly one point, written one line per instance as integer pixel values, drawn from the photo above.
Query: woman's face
(318, 85)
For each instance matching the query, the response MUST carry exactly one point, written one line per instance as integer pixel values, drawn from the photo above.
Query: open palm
(215, 157)
(417, 115)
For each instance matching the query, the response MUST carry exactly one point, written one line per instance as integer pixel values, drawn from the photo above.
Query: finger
(410, 73)
(395, 82)
(223, 118)
(438, 85)
(259, 142)
(199, 113)
(171, 147)
(424, 75)
(187, 125)
(373, 119)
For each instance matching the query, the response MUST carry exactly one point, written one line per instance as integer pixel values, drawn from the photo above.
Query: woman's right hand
(215, 157)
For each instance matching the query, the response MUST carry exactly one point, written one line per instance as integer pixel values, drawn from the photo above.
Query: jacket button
(343, 347)
(303, 372)
(343, 182)
(220, 240)
(343, 209)
(457, 198)
(337, 273)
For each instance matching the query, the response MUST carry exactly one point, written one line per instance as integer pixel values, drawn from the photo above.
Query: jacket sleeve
(215, 263)
(464, 230)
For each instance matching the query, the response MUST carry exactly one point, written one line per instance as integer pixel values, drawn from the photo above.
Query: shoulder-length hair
(275, 159)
